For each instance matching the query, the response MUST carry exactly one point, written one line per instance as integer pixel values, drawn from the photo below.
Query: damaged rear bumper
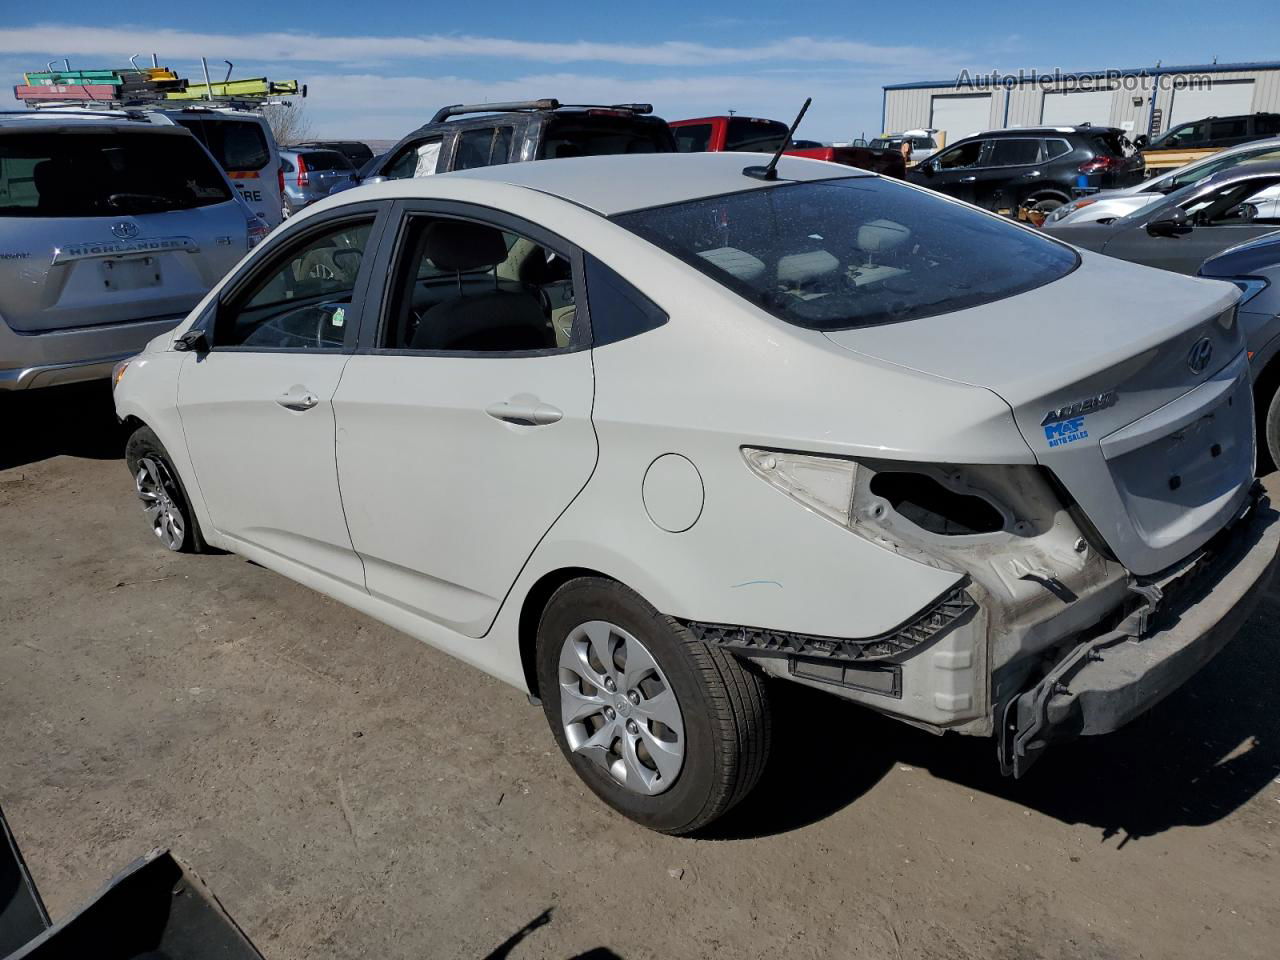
(1177, 623)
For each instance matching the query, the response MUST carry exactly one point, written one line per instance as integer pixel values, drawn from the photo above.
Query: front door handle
(528, 411)
(968, 179)
(297, 398)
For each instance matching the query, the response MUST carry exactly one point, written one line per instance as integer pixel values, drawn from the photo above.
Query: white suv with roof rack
(113, 225)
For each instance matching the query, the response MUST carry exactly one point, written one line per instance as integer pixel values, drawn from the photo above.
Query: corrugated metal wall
(905, 109)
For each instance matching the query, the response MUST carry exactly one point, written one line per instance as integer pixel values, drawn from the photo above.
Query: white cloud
(382, 106)
(67, 40)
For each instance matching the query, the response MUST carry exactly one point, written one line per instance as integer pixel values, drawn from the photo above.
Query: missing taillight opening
(932, 507)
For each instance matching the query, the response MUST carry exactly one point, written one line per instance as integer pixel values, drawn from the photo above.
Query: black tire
(1271, 433)
(144, 445)
(724, 705)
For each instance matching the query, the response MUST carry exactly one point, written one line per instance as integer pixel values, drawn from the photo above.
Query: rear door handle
(968, 179)
(526, 411)
(297, 398)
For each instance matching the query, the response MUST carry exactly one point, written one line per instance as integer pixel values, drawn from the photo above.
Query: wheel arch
(535, 601)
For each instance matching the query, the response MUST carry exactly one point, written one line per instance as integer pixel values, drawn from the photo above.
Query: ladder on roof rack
(148, 88)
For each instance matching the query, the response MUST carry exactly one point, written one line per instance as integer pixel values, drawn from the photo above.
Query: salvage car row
(634, 432)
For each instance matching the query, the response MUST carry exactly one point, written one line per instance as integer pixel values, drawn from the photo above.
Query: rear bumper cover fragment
(762, 641)
(1178, 623)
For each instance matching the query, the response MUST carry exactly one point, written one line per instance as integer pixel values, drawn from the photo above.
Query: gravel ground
(349, 792)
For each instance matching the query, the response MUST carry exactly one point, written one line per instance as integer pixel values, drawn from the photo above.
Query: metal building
(1143, 100)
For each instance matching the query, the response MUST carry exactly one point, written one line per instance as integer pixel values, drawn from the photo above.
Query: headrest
(458, 245)
(803, 267)
(876, 236)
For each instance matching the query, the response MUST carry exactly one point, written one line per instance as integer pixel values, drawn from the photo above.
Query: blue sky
(378, 70)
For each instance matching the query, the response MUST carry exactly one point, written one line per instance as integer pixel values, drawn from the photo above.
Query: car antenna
(770, 171)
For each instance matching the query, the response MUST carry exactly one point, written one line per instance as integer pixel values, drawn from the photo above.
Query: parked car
(112, 227)
(308, 175)
(924, 143)
(757, 135)
(242, 144)
(464, 137)
(1038, 167)
(634, 432)
(1189, 225)
(1214, 132)
(1254, 267)
(357, 153)
(1107, 205)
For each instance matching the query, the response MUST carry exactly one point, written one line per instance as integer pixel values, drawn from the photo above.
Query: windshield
(854, 252)
(1207, 168)
(326, 160)
(105, 173)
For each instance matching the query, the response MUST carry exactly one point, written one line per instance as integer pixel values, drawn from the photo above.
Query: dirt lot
(349, 792)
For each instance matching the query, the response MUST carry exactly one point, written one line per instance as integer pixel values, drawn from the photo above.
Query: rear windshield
(1111, 145)
(754, 136)
(73, 173)
(326, 160)
(854, 252)
(592, 136)
(237, 145)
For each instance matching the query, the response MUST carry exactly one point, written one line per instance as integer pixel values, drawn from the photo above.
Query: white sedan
(636, 433)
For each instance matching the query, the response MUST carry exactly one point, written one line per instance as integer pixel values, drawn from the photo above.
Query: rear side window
(1056, 148)
(755, 136)
(237, 145)
(694, 138)
(854, 252)
(105, 174)
(326, 160)
(1268, 124)
(595, 136)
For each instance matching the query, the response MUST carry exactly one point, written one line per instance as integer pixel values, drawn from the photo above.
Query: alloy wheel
(155, 485)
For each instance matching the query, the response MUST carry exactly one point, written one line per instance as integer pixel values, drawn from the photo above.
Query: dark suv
(357, 153)
(493, 133)
(1216, 132)
(1036, 166)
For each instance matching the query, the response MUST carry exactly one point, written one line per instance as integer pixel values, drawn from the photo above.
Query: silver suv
(112, 227)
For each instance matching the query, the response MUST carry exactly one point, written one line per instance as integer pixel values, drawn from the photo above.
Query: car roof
(1081, 129)
(615, 184)
(80, 116)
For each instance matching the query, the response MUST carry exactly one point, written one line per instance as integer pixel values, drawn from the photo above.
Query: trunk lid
(1129, 384)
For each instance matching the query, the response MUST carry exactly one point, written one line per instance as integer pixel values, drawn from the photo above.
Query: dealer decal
(1065, 431)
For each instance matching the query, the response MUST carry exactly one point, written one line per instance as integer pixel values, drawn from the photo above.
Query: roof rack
(521, 106)
(148, 88)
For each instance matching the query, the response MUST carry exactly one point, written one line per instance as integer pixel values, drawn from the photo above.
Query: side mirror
(927, 168)
(193, 341)
(1173, 224)
(1142, 141)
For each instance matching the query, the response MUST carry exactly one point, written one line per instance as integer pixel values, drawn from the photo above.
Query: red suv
(757, 135)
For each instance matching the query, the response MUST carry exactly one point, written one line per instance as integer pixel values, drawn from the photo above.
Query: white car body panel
(460, 517)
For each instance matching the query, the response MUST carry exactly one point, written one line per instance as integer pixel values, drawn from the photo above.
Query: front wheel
(1271, 430)
(667, 730)
(164, 502)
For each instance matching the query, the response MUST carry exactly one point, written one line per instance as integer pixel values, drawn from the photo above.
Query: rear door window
(239, 146)
(1229, 129)
(105, 173)
(693, 138)
(484, 147)
(1013, 153)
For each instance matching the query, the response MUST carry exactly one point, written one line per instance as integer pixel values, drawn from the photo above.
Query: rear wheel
(667, 730)
(164, 502)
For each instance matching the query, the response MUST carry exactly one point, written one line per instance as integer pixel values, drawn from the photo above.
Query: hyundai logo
(125, 230)
(1200, 355)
